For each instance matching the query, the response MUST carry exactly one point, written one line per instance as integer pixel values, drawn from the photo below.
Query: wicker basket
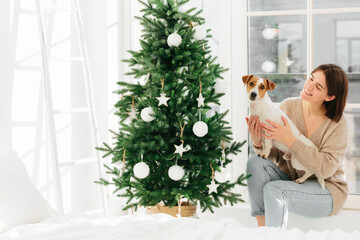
(187, 209)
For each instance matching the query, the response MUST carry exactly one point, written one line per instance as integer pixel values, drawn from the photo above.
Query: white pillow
(20, 202)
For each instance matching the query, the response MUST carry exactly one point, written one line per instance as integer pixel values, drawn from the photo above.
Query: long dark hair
(337, 84)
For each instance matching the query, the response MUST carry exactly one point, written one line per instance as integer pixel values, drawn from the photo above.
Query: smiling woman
(318, 114)
(325, 83)
(335, 31)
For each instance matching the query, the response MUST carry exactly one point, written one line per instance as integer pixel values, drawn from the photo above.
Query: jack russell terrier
(262, 106)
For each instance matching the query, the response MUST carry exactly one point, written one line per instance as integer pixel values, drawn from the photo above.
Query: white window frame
(353, 201)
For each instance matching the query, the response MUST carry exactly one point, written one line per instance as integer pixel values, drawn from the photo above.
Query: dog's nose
(253, 96)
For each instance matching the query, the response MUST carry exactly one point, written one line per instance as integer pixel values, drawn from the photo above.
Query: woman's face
(315, 89)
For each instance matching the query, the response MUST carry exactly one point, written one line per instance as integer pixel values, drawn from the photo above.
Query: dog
(262, 106)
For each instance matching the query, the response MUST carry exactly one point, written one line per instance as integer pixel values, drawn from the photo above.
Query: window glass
(262, 5)
(277, 50)
(337, 40)
(335, 4)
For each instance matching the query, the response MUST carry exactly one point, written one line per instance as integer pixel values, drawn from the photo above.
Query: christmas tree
(168, 148)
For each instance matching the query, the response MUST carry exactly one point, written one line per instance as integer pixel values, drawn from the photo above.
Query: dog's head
(257, 87)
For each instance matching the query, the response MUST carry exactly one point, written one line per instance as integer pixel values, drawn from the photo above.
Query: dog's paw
(264, 155)
(287, 156)
(299, 180)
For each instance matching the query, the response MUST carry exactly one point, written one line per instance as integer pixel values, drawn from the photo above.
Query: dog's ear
(246, 78)
(270, 85)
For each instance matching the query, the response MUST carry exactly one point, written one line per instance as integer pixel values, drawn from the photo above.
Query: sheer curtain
(22, 121)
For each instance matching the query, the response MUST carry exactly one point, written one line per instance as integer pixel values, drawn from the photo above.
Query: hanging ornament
(220, 176)
(176, 172)
(268, 66)
(146, 114)
(227, 144)
(141, 170)
(162, 99)
(180, 148)
(220, 87)
(199, 32)
(212, 186)
(288, 62)
(132, 113)
(200, 128)
(200, 99)
(269, 33)
(122, 164)
(174, 40)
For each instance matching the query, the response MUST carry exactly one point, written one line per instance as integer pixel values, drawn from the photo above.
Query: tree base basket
(187, 209)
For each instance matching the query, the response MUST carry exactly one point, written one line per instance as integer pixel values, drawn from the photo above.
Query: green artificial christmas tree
(167, 147)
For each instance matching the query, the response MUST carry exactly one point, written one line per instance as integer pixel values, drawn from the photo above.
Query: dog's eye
(251, 84)
(262, 87)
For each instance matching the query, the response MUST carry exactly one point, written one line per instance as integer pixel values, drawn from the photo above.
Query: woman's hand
(278, 132)
(255, 130)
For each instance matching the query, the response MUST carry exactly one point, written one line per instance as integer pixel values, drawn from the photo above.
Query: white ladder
(51, 133)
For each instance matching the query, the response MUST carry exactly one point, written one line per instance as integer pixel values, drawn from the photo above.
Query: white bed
(159, 226)
(21, 204)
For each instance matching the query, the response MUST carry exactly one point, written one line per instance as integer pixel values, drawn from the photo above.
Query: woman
(318, 114)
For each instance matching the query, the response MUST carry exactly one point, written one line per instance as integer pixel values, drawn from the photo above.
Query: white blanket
(157, 227)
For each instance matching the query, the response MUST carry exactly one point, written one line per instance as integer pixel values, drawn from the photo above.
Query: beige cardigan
(325, 160)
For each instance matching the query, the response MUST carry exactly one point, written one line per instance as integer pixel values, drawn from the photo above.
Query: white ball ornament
(174, 40)
(176, 172)
(269, 33)
(146, 114)
(200, 129)
(220, 87)
(221, 176)
(200, 32)
(141, 170)
(268, 66)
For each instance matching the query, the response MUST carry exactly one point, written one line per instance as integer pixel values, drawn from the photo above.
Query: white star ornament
(212, 187)
(163, 99)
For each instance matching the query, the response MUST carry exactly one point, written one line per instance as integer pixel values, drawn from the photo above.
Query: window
(287, 40)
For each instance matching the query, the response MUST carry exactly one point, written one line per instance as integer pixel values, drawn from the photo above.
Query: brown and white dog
(262, 106)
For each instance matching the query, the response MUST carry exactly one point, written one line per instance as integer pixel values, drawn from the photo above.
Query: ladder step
(28, 12)
(73, 110)
(24, 124)
(27, 68)
(60, 8)
(77, 162)
(70, 59)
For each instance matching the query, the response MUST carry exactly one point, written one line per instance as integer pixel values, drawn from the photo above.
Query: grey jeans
(272, 192)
